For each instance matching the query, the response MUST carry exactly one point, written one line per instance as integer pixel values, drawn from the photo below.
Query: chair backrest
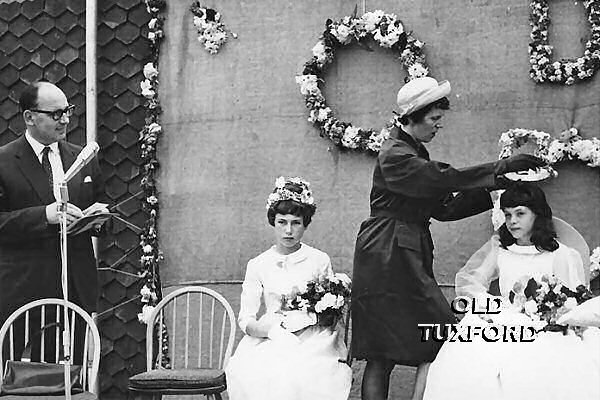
(22, 325)
(569, 236)
(200, 330)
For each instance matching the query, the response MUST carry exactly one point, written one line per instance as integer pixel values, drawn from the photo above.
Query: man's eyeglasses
(58, 114)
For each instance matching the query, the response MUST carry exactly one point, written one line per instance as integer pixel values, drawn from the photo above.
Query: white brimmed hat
(420, 92)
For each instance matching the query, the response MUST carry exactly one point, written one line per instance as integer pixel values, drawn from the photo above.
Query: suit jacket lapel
(31, 168)
(68, 156)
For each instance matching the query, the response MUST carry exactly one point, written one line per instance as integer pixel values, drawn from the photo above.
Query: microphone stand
(66, 336)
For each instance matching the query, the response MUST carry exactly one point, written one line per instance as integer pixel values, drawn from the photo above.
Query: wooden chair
(29, 319)
(200, 326)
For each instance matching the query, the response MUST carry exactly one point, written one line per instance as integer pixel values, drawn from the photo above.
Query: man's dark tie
(47, 167)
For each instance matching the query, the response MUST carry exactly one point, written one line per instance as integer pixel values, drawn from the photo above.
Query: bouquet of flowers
(324, 296)
(547, 300)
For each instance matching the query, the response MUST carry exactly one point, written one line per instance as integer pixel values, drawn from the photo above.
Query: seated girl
(555, 365)
(284, 355)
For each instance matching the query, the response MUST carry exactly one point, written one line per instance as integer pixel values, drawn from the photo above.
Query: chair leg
(214, 396)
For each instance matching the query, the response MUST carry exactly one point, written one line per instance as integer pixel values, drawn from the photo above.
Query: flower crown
(281, 193)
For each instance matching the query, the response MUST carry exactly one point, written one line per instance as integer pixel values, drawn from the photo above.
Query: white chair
(200, 332)
(40, 313)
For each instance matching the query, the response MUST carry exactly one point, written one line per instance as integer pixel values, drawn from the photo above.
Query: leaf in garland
(211, 15)
(354, 13)
(401, 43)
(531, 288)
(511, 296)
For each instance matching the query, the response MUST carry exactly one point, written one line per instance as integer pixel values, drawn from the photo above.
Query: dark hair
(417, 116)
(29, 97)
(543, 235)
(306, 211)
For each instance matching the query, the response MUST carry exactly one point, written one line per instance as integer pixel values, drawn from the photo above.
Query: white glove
(296, 320)
(281, 335)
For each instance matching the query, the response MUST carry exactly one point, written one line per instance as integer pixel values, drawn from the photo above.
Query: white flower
(530, 307)
(417, 70)
(152, 23)
(323, 114)
(319, 52)
(144, 316)
(151, 36)
(147, 248)
(145, 292)
(327, 301)
(147, 91)
(350, 137)
(557, 151)
(584, 149)
(342, 33)
(154, 128)
(308, 84)
(280, 182)
(149, 71)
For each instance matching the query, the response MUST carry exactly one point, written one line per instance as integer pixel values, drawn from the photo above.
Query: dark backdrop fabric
(235, 121)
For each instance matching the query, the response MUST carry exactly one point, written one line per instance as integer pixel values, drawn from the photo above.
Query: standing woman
(394, 288)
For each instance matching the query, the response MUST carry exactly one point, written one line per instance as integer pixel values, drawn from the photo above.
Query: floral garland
(151, 255)
(385, 29)
(569, 146)
(211, 32)
(566, 71)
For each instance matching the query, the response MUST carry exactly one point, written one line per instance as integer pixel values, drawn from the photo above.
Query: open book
(93, 216)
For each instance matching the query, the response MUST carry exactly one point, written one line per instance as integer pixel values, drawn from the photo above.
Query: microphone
(83, 159)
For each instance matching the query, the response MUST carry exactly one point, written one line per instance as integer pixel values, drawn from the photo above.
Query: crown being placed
(281, 193)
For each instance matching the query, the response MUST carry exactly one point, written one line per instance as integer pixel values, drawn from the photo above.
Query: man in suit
(30, 167)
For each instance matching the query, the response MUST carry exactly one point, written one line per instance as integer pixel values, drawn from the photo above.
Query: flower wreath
(281, 193)
(211, 32)
(567, 71)
(385, 29)
(569, 146)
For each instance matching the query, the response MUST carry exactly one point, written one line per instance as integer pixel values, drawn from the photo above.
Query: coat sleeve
(462, 205)
(406, 173)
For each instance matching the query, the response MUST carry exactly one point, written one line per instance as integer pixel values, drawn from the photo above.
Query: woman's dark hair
(417, 116)
(293, 207)
(543, 235)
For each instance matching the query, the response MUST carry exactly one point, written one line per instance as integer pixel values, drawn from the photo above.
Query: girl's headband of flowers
(281, 193)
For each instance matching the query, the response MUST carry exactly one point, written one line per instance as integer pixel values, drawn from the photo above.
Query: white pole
(90, 70)
(90, 108)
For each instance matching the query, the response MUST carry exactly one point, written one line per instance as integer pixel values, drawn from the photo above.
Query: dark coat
(30, 266)
(394, 288)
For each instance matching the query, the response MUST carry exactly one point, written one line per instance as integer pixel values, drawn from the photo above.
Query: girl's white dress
(552, 367)
(265, 369)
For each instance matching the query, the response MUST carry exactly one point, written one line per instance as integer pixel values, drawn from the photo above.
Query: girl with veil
(554, 365)
(286, 355)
